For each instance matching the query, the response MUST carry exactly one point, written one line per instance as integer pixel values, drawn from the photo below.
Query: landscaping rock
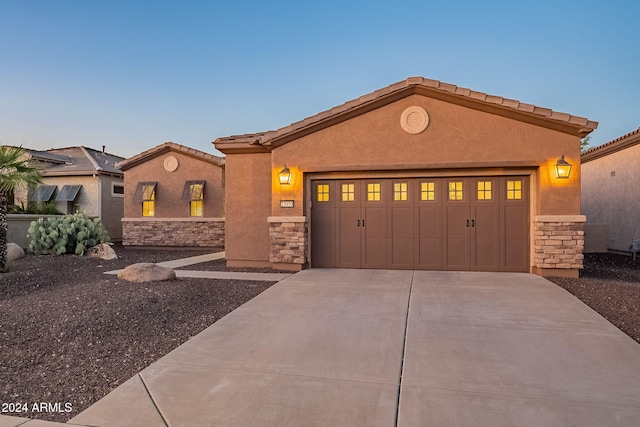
(102, 251)
(14, 252)
(146, 272)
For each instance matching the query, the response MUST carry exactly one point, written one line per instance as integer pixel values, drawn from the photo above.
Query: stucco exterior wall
(610, 195)
(168, 202)
(248, 204)
(112, 206)
(459, 141)
(457, 138)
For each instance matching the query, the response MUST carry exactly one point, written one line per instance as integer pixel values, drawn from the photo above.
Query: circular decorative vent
(414, 120)
(170, 164)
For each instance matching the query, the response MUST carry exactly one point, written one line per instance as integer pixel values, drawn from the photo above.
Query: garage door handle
(358, 223)
(473, 223)
(363, 222)
(467, 223)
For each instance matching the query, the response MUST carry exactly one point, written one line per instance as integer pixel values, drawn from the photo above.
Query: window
(193, 193)
(68, 193)
(348, 192)
(514, 190)
(455, 190)
(400, 191)
(323, 192)
(44, 193)
(484, 190)
(428, 191)
(195, 204)
(148, 199)
(373, 192)
(117, 190)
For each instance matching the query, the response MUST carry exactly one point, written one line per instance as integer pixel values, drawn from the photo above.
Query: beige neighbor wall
(87, 200)
(248, 204)
(610, 195)
(458, 139)
(169, 187)
(112, 208)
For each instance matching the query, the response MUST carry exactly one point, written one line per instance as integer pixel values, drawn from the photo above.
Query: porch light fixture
(284, 176)
(563, 168)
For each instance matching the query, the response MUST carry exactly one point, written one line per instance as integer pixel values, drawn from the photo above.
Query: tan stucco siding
(87, 199)
(248, 204)
(457, 138)
(610, 195)
(170, 185)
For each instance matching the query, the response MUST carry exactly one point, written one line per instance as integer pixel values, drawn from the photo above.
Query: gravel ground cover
(610, 284)
(69, 334)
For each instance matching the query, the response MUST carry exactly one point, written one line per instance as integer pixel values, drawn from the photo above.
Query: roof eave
(618, 144)
(164, 149)
(577, 126)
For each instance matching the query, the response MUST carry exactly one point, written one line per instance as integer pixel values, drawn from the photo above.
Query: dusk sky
(133, 74)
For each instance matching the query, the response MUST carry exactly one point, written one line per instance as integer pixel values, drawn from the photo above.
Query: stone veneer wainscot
(558, 244)
(191, 232)
(289, 242)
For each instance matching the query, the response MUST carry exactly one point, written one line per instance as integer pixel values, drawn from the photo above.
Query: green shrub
(65, 234)
(37, 208)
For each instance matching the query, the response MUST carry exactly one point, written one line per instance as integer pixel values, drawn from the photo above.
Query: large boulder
(102, 251)
(146, 272)
(14, 252)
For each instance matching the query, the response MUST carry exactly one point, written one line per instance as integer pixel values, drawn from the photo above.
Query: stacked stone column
(289, 242)
(558, 243)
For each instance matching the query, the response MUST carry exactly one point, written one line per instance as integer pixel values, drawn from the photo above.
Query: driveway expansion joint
(146, 388)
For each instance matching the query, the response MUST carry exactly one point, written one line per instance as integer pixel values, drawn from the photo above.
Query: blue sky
(133, 74)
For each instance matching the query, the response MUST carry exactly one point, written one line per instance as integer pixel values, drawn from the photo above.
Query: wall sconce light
(563, 168)
(284, 176)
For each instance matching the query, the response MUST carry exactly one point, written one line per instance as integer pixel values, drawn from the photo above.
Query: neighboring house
(80, 179)
(418, 175)
(174, 196)
(611, 191)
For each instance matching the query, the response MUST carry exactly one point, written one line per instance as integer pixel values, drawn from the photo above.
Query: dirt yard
(69, 334)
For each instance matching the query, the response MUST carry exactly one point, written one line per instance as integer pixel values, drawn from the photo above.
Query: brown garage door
(479, 223)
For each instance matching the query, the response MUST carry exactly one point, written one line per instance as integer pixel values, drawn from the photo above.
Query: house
(80, 179)
(610, 193)
(174, 196)
(418, 175)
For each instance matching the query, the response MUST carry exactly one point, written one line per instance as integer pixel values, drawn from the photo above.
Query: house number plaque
(286, 203)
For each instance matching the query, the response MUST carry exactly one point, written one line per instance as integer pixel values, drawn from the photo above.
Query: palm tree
(15, 171)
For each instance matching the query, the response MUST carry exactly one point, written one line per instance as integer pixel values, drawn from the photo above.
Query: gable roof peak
(513, 108)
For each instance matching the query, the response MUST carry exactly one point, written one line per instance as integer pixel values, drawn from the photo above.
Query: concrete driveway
(383, 348)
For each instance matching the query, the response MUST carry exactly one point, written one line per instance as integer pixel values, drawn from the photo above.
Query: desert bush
(37, 208)
(65, 234)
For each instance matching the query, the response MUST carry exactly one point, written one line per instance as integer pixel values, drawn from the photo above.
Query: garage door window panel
(456, 191)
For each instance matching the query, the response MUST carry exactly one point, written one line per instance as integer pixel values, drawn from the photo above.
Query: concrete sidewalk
(200, 274)
(383, 348)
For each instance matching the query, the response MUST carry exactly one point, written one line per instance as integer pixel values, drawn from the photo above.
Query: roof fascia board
(488, 107)
(164, 149)
(335, 119)
(240, 148)
(465, 101)
(610, 148)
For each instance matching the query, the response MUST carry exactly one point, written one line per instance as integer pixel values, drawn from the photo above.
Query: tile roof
(165, 148)
(452, 93)
(620, 143)
(76, 161)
